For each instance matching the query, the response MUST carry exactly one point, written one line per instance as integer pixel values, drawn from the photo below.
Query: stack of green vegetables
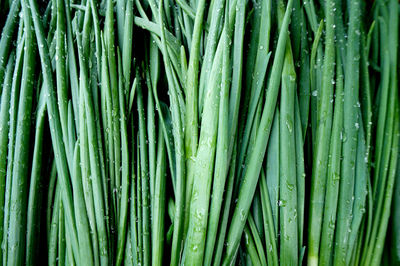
(194, 132)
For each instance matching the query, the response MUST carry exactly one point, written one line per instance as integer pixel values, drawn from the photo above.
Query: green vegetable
(193, 132)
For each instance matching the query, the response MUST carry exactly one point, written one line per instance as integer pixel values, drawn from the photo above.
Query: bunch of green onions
(194, 132)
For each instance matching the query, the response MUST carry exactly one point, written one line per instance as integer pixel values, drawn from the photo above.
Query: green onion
(199, 132)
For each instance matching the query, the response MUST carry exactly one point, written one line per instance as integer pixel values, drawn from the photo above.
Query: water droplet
(242, 215)
(282, 203)
(315, 93)
(289, 124)
(336, 177)
(289, 186)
